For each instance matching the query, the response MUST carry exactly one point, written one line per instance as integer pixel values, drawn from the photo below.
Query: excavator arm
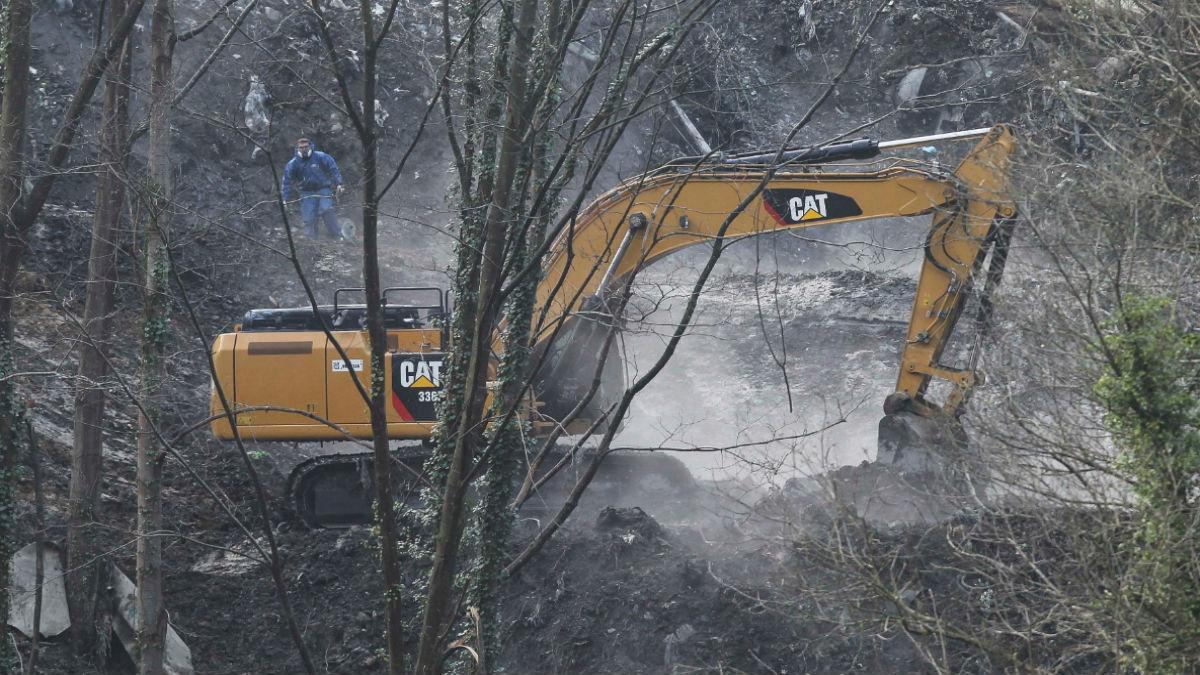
(688, 203)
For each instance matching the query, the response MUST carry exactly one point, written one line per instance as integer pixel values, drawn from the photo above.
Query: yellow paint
(422, 382)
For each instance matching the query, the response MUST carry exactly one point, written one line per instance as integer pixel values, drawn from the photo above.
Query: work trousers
(319, 204)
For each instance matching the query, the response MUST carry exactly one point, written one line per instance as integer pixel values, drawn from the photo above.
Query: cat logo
(808, 207)
(792, 207)
(416, 385)
(420, 374)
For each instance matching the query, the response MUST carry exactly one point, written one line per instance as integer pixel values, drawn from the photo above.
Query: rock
(54, 618)
(693, 576)
(225, 563)
(1111, 68)
(633, 520)
(273, 15)
(672, 642)
(910, 87)
(683, 633)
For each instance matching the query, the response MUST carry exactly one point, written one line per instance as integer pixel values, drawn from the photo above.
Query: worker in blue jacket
(315, 174)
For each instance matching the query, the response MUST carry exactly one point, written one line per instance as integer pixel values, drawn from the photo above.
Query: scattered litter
(257, 119)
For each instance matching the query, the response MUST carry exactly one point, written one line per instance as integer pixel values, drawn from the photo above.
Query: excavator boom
(684, 204)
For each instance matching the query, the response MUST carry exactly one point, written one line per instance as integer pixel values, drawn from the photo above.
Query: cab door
(281, 370)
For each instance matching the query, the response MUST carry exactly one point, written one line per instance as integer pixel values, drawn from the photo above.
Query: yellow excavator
(288, 382)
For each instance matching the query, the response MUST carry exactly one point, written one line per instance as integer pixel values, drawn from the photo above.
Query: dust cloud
(793, 333)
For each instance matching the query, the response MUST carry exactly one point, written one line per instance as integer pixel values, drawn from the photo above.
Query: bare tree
(365, 124)
(19, 209)
(510, 177)
(519, 142)
(152, 626)
(12, 176)
(474, 351)
(83, 539)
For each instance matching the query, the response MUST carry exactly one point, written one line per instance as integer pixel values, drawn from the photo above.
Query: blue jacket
(317, 172)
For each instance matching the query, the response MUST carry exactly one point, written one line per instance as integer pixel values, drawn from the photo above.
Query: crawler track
(338, 490)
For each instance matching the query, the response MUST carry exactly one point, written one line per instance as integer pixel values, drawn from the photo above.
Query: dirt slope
(698, 593)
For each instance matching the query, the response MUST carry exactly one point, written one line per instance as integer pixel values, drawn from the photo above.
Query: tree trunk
(384, 501)
(152, 625)
(39, 578)
(17, 214)
(445, 559)
(12, 175)
(84, 547)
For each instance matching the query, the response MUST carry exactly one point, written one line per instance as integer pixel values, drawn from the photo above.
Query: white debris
(680, 636)
(381, 113)
(225, 564)
(910, 87)
(177, 658)
(257, 118)
(22, 594)
(808, 24)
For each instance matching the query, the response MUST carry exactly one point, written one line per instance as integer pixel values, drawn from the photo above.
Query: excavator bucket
(936, 447)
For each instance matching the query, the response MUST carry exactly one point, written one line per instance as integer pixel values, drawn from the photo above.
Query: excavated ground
(690, 586)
